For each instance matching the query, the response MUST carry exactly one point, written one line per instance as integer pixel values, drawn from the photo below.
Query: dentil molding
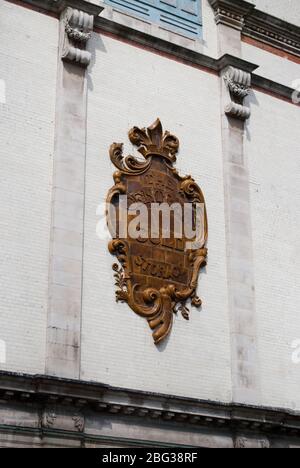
(63, 405)
(244, 16)
(231, 12)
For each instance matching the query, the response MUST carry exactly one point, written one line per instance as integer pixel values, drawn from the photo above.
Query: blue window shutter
(182, 16)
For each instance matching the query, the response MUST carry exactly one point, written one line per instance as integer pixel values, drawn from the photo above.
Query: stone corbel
(237, 84)
(232, 13)
(77, 30)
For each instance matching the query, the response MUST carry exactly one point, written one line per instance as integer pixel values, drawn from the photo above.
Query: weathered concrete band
(237, 14)
(65, 412)
(284, 42)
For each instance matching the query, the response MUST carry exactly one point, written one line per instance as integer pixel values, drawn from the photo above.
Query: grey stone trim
(235, 84)
(257, 81)
(237, 14)
(92, 7)
(228, 60)
(273, 31)
(240, 268)
(244, 16)
(231, 12)
(153, 42)
(271, 87)
(52, 407)
(193, 58)
(179, 52)
(68, 197)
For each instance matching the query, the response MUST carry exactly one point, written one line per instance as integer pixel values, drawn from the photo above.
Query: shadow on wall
(250, 101)
(93, 45)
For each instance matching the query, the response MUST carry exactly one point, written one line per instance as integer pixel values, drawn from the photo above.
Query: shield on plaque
(159, 263)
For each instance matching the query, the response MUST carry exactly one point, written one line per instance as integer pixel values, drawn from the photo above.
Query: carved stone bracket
(238, 83)
(78, 27)
(231, 12)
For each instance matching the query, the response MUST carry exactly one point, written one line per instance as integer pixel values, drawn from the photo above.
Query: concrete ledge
(92, 7)
(153, 42)
(191, 57)
(273, 31)
(178, 52)
(85, 396)
(253, 23)
(231, 61)
(271, 87)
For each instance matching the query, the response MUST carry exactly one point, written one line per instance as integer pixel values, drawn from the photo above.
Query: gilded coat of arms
(159, 261)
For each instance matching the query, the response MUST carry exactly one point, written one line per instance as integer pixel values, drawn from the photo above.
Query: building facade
(77, 368)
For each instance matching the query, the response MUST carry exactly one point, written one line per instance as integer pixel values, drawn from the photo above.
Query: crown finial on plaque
(153, 140)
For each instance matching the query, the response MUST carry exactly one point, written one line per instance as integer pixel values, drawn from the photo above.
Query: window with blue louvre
(183, 16)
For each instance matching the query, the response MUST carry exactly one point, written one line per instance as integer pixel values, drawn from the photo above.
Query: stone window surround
(126, 16)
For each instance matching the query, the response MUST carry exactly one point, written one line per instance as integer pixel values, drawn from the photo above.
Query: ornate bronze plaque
(159, 267)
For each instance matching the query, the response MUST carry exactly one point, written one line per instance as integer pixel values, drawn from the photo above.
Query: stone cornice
(231, 12)
(254, 23)
(238, 14)
(231, 61)
(273, 31)
(191, 57)
(91, 7)
(179, 52)
(47, 391)
(271, 87)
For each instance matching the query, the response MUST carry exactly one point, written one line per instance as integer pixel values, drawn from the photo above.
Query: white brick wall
(273, 154)
(28, 58)
(129, 86)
